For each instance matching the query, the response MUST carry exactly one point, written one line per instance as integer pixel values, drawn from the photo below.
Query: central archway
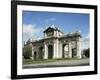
(50, 51)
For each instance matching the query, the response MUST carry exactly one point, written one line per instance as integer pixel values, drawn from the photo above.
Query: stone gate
(56, 44)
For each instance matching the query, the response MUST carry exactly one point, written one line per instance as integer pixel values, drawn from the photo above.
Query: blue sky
(35, 22)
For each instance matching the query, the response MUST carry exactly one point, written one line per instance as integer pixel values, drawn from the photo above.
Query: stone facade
(57, 45)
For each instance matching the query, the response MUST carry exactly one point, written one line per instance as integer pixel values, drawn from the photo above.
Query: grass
(30, 61)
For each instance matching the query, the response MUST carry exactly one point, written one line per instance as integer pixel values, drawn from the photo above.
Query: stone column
(54, 34)
(45, 36)
(69, 50)
(32, 52)
(60, 50)
(57, 45)
(55, 49)
(78, 48)
(45, 51)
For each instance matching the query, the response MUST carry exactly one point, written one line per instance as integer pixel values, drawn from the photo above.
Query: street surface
(59, 63)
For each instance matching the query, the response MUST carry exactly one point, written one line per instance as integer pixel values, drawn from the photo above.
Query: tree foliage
(27, 52)
(86, 52)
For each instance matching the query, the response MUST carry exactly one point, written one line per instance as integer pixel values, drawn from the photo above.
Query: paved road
(59, 63)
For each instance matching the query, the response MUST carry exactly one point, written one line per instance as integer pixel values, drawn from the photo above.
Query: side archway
(35, 55)
(41, 53)
(50, 51)
(74, 52)
(65, 51)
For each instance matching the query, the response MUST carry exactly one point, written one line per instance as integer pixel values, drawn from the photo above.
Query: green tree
(86, 52)
(27, 52)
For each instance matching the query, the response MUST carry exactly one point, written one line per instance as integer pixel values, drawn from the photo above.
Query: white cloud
(50, 19)
(85, 41)
(30, 31)
(30, 28)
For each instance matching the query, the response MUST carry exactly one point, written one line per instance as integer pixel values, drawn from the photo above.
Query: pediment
(49, 29)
